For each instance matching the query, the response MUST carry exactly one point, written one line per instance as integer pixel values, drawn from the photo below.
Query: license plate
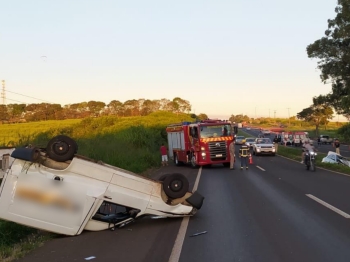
(219, 155)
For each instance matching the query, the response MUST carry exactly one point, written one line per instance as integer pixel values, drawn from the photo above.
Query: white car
(57, 190)
(335, 158)
(250, 141)
(263, 146)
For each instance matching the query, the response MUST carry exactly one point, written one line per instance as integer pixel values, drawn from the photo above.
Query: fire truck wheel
(175, 185)
(61, 148)
(193, 161)
(176, 161)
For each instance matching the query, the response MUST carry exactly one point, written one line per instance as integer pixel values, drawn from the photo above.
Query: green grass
(17, 240)
(131, 143)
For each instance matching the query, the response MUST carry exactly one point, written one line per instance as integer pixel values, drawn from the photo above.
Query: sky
(224, 56)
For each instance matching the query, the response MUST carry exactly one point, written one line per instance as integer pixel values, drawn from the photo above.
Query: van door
(32, 196)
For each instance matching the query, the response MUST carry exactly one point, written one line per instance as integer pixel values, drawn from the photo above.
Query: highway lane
(344, 149)
(258, 215)
(263, 214)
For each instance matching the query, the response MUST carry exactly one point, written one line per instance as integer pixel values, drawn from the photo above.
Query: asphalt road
(267, 213)
(344, 149)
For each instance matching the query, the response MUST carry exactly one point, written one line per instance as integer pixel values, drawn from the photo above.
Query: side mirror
(235, 129)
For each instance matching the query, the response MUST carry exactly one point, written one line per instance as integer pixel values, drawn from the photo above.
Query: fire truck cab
(201, 143)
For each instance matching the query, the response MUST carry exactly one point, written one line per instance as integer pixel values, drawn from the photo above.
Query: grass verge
(17, 240)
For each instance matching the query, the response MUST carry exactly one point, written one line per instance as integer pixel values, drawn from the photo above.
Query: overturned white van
(57, 190)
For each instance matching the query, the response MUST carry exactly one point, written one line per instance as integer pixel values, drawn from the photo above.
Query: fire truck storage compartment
(176, 141)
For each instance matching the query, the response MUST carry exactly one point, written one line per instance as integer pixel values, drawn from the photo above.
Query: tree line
(14, 113)
(333, 54)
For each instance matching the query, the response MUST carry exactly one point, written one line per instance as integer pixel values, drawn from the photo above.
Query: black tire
(61, 148)
(307, 167)
(175, 185)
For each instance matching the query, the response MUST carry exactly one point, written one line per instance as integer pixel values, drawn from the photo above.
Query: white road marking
(180, 238)
(260, 168)
(329, 206)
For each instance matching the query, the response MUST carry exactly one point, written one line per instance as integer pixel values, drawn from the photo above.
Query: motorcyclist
(306, 147)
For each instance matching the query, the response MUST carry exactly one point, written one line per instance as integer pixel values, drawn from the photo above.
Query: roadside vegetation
(131, 143)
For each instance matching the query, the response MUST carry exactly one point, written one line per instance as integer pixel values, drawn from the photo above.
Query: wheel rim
(176, 185)
(60, 148)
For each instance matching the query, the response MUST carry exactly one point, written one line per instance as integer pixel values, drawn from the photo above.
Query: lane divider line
(180, 238)
(342, 213)
(260, 168)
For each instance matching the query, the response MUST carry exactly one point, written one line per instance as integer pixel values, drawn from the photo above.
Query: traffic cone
(250, 159)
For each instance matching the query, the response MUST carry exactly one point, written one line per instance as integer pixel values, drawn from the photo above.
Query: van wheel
(61, 148)
(175, 185)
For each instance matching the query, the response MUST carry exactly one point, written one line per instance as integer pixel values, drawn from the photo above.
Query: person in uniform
(232, 153)
(244, 153)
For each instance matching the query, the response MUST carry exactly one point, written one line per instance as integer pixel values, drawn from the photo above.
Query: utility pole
(288, 116)
(3, 94)
(274, 116)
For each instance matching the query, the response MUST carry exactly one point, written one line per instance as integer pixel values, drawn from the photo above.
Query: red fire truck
(200, 143)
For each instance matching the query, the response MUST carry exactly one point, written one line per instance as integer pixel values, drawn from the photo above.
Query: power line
(30, 97)
(17, 101)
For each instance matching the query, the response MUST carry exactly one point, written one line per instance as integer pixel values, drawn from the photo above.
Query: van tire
(175, 185)
(61, 148)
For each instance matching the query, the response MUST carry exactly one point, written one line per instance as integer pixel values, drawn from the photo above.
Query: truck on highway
(201, 143)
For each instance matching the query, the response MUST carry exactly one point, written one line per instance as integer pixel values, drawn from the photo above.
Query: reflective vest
(244, 151)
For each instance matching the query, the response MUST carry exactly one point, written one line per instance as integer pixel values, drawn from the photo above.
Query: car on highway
(266, 132)
(334, 158)
(249, 141)
(324, 139)
(240, 140)
(55, 189)
(264, 146)
(248, 128)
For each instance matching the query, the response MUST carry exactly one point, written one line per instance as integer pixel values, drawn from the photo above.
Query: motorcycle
(310, 160)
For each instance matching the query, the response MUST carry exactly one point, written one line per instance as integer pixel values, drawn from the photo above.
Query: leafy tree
(333, 53)
(202, 116)
(181, 105)
(316, 115)
(116, 108)
(95, 107)
(239, 118)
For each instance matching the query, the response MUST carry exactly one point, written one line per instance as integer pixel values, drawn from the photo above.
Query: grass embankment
(131, 143)
(295, 154)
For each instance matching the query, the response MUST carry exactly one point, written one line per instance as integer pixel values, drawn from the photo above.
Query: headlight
(202, 148)
(204, 154)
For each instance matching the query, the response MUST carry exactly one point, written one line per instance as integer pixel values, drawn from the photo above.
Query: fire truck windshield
(215, 131)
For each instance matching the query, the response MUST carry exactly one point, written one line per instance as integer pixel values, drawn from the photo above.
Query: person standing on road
(336, 144)
(275, 143)
(164, 153)
(232, 154)
(244, 153)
